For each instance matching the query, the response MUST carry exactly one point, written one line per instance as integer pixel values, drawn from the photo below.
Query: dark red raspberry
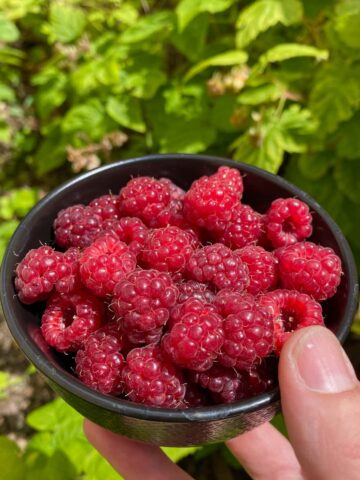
(150, 379)
(105, 263)
(261, 378)
(193, 289)
(231, 177)
(41, 270)
(99, 364)
(191, 305)
(222, 382)
(218, 265)
(262, 266)
(142, 302)
(228, 301)
(195, 396)
(310, 269)
(144, 197)
(290, 310)
(176, 192)
(77, 226)
(168, 249)
(172, 214)
(209, 203)
(68, 320)
(107, 206)
(249, 335)
(244, 227)
(130, 230)
(195, 340)
(287, 221)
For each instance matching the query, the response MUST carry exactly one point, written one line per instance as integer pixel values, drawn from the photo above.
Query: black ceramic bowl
(154, 425)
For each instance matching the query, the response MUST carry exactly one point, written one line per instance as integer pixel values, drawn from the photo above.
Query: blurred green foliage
(275, 83)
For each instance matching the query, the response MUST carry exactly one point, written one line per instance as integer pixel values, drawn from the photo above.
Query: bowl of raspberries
(155, 294)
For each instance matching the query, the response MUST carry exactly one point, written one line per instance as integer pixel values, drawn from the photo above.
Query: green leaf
(261, 94)
(96, 467)
(22, 199)
(52, 151)
(316, 165)
(42, 442)
(336, 94)
(126, 111)
(148, 26)
(87, 119)
(232, 57)
(7, 94)
(347, 21)
(349, 139)
(188, 9)
(67, 23)
(51, 95)
(347, 176)
(191, 40)
(12, 465)
(6, 381)
(222, 111)
(176, 454)
(263, 14)
(286, 51)
(143, 77)
(8, 30)
(52, 415)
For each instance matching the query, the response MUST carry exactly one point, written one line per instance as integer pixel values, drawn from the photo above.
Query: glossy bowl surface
(153, 425)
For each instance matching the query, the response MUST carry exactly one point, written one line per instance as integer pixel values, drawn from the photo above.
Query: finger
(321, 404)
(266, 454)
(133, 460)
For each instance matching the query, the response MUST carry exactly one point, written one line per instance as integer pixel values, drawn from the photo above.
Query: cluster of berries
(178, 299)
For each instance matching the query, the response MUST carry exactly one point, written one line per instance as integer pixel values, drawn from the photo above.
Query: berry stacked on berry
(178, 299)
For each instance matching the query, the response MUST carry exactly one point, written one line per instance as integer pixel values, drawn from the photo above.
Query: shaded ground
(31, 391)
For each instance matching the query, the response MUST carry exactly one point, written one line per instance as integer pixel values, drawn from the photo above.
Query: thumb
(320, 397)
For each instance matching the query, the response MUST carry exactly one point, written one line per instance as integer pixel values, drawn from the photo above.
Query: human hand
(320, 397)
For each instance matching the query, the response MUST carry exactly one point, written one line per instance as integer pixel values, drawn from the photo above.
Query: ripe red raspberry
(176, 192)
(99, 364)
(218, 265)
(290, 310)
(142, 301)
(195, 340)
(222, 382)
(192, 289)
(41, 270)
(150, 379)
(130, 230)
(228, 301)
(77, 226)
(172, 214)
(195, 396)
(287, 221)
(104, 264)
(249, 335)
(144, 197)
(68, 320)
(310, 269)
(168, 249)
(262, 266)
(106, 206)
(244, 227)
(209, 203)
(232, 178)
(261, 378)
(192, 305)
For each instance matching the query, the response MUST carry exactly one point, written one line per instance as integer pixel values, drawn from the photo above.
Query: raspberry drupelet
(244, 227)
(99, 363)
(219, 265)
(104, 263)
(309, 268)
(287, 221)
(77, 226)
(290, 310)
(142, 303)
(222, 382)
(106, 206)
(168, 249)
(145, 198)
(44, 269)
(130, 230)
(262, 267)
(192, 305)
(193, 289)
(151, 379)
(195, 340)
(68, 320)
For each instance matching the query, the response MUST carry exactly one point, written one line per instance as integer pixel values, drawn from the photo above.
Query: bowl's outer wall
(159, 426)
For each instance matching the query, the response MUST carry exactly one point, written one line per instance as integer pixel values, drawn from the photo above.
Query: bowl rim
(71, 384)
